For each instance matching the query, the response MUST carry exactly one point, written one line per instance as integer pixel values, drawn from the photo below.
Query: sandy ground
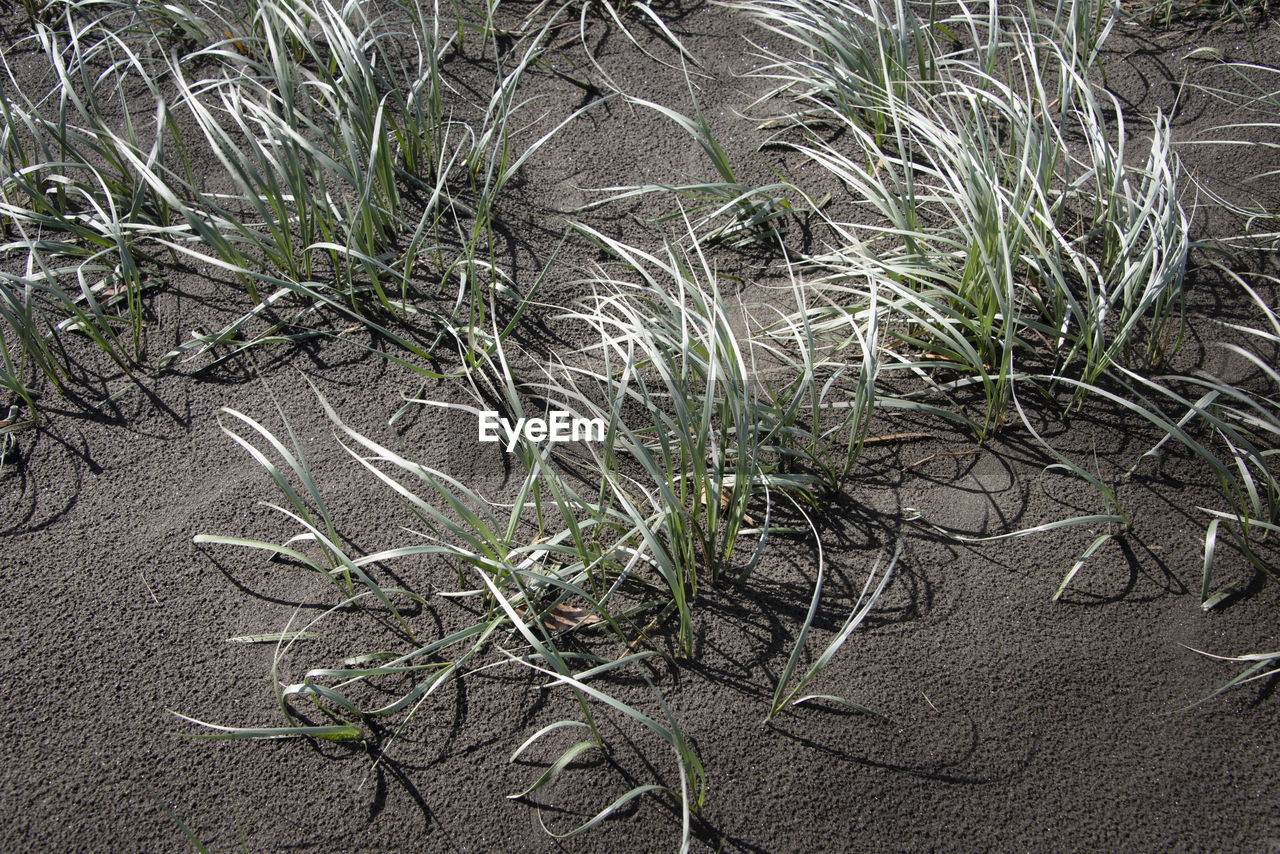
(1006, 721)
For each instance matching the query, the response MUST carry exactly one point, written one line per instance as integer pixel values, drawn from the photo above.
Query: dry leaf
(565, 617)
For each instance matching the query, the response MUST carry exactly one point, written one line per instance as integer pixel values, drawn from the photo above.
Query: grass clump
(1211, 13)
(532, 577)
(994, 253)
(606, 543)
(341, 181)
(998, 245)
(987, 246)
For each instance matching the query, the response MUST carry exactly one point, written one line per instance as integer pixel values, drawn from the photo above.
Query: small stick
(148, 586)
(930, 702)
(631, 646)
(921, 462)
(897, 437)
(653, 624)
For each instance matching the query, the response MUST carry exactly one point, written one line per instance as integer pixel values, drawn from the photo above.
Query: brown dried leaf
(565, 617)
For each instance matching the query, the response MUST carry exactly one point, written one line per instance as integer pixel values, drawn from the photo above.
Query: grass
(521, 579)
(985, 252)
(850, 57)
(1261, 665)
(982, 253)
(1256, 100)
(997, 256)
(865, 602)
(340, 181)
(1214, 13)
(757, 212)
(621, 536)
(1041, 250)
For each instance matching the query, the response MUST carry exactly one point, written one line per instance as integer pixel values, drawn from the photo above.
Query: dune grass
(999, 240)
(341, 180)
(1255, 99)
(992, 250)
(611, 539)
(994, 246)
(996, 253)
(1213, 13)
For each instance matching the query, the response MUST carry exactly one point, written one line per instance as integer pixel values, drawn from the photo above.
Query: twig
(897, 437)
(921, 462)
(930, 702)
(148, 586)
(653, 624)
